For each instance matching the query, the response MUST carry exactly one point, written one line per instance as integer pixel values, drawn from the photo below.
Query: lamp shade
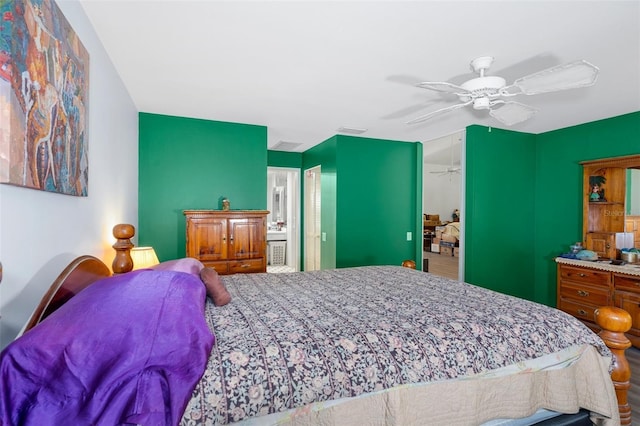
(143, 257)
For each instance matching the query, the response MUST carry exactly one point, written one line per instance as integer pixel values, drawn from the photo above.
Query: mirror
(279, 212)
(633, 192)
(277, 199)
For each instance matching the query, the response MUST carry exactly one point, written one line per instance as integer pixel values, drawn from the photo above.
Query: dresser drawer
(627, 283)
(247, 265)
(221, 266)
(580, 293)
(585, 275)
(578, 310)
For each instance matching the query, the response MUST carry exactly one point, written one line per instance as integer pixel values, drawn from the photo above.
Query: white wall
(41, 232)
(441, 193)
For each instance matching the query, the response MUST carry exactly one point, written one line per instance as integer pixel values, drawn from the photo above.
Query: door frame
(461, 201)
(293, 214)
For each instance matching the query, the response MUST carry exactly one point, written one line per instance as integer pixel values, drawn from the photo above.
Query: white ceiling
(304, 69)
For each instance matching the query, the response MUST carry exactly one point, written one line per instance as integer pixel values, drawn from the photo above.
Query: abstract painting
(44, 99)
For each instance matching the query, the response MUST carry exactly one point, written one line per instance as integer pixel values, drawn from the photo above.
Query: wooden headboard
(78, 275)
(82, 272)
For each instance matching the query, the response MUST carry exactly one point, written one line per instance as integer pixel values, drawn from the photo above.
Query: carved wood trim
(625, 162)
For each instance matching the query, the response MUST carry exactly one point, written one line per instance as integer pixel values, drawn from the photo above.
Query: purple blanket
(127, 350)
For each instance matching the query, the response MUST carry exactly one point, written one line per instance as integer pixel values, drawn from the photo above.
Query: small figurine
(597, 190)
(226, 205)
(597, 193)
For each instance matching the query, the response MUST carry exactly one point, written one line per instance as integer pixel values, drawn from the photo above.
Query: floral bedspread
(287, 340)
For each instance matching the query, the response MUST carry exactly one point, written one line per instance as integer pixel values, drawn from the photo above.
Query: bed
(366, 345)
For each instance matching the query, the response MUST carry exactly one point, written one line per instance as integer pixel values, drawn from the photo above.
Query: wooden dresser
(230, 241)
(584, 286)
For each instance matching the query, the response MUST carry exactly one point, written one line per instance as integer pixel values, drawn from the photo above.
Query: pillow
(215, 289)
(189, 265)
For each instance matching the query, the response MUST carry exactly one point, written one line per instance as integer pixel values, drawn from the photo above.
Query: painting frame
(44, 99)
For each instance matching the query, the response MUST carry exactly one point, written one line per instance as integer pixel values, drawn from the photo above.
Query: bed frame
(85, 270)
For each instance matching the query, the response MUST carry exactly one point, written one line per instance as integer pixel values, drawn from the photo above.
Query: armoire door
(207, 239)
(246, 238)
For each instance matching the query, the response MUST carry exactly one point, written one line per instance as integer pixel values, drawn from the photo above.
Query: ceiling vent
(285, 146)
(351, 130)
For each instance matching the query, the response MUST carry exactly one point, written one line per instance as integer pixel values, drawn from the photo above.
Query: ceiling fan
(452, 169)
(492, 92)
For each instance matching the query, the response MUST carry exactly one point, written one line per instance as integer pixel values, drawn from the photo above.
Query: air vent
(351, 130)
(285, 146)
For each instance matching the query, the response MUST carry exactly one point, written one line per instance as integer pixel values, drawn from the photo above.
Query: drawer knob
(583, 293)
(582, 312)
(582, 275)
(245, 266)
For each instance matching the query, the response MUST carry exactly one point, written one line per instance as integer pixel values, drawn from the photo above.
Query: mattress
(391, 345)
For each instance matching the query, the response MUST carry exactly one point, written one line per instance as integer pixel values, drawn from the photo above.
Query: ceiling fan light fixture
(481, 103)
(511, 113)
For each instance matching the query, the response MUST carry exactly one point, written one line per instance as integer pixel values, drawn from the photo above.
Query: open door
(312, 224)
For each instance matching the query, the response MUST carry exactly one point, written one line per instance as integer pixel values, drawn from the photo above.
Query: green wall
(499, 210)
(186, 163)
(291, 160)
(377, 182)
(369, 200)
(558, 213)
(524, 200)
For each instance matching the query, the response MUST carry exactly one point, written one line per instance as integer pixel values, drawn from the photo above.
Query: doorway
(312, 223)
(283, 233)
(443, 205)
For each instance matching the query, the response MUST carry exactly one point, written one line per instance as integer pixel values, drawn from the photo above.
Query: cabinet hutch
(604, 196)
(584, 286)
(230, 241)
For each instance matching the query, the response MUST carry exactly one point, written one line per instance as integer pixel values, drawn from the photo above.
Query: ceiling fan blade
(405, 79)
(438, 112)
(410, 110)
(443, 86)
(568, 76)
(511, 113)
